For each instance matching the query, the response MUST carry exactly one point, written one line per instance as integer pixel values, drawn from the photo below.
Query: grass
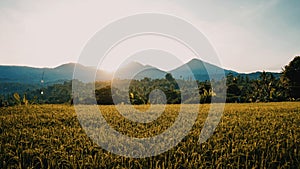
(258, 135)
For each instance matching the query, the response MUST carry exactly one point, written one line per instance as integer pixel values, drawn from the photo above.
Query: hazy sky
(248, 36)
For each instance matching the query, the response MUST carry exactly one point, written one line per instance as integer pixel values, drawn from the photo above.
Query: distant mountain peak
(136, 70)
(193, 68)
(66, 65)
(132, 64)
(195, 60)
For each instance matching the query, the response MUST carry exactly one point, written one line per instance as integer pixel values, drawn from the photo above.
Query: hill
(199, 70)
(135, 70)
(30, 75)
(195, 69)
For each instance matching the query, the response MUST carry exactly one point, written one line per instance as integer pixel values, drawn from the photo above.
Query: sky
(247, 35)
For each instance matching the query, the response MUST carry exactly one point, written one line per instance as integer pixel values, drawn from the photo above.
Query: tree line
(239, 89)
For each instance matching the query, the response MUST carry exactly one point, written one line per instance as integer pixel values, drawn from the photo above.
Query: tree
(104, 96)
(233, 90)
(291, 74)
(169, 77)
(266, 87)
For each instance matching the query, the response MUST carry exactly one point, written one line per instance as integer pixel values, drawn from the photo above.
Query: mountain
(87, 74)
(194, 69)
(135, 70)
(19, 74)
(256, 75)
(199, 70)
(29, 75)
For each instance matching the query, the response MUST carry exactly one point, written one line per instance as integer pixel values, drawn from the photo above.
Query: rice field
(256, 135)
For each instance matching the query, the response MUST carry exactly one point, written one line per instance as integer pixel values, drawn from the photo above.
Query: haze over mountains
(194, 69)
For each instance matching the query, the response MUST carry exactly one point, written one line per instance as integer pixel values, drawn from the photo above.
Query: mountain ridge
(195, 68)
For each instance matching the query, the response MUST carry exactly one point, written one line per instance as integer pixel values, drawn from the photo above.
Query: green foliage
(240, 89)
(169, 77)
(104, 96)
(139, 91)
(291, 74)
(265, 89)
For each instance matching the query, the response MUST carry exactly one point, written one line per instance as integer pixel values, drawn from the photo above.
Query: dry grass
(260, 135)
